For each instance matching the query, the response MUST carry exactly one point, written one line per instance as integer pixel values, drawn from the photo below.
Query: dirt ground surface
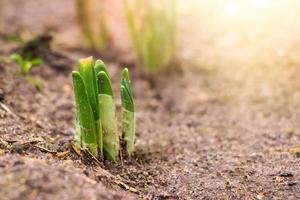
(225, 127)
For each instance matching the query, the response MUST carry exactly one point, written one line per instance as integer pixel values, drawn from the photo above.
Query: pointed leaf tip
(125, 73)
(104, 84)
(100, 66)
(85, 61)
(76, 75)
(87, 72)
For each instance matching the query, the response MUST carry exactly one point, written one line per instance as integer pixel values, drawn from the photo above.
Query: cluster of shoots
(152, 27)
(96, 118)
(92, 23)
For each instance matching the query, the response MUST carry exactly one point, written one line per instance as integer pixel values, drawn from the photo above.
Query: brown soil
(202, 133)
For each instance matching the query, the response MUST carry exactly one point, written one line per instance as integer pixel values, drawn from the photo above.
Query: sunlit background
(212, 33)
(247, 31)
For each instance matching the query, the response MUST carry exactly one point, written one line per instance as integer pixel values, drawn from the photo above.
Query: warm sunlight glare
(241, 30)
(246, 9)
(235, 8)
(251, 9)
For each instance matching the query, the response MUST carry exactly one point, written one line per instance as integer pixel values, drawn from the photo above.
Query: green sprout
(86, 130)
(152, 28)
(111, 144)
(25, 64)
(96, 118)
(128, 112)
(93, 24)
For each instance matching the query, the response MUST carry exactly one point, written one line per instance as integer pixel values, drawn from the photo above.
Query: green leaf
(125, 77)
(87, 71)
(126, 91)
(100, 66)
(17, 58)
(104, 83)
(126, 99)
(88, 75)
(25, 64)
(128, 112)
(26, 67)
(85, 120)
(111, 142)
(108, 117)
(128, 125)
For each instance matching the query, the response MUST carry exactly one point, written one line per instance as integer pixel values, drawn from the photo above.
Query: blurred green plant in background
(152, 28)
(93, 24)
(26, 65)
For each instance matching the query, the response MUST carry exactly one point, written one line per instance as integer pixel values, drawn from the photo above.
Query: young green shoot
(100, 66)
(88, 74)
(86, 134)
(96, 118)
(128, 112)
(111, 143)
